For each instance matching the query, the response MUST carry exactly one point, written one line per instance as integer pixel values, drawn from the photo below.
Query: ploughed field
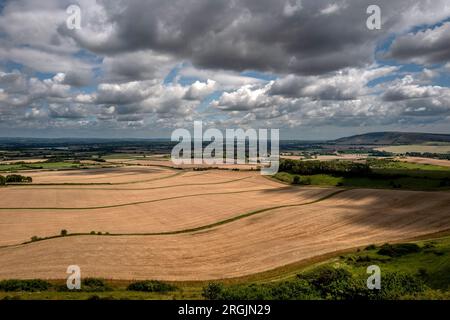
(194, 225)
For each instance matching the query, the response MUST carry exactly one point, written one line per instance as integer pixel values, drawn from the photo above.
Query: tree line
(14, 178)
(324, 167)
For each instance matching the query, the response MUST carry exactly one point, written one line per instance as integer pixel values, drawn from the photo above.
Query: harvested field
(117, 175)
(436, 162)
(344, 156)
(416, 148)
(22, 161)
(248, 223)
(164, 162)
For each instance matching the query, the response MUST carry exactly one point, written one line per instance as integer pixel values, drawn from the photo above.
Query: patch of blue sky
(88, 56)
(44, 75)
(204, 104)
(186, 81)
(170, 77)
(10, 66)
(423, 27)
(443, 79)
(259, 75)
(381, 80)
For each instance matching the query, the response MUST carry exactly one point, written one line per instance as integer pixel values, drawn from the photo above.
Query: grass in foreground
(415, 270)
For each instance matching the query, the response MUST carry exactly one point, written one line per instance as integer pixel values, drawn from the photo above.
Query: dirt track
(251, 244)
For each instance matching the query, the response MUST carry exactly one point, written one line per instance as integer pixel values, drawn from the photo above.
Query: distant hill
(394, 138)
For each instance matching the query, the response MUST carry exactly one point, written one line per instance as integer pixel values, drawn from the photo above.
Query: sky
(143, 68)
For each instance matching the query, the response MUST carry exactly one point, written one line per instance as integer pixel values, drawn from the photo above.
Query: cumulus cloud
(199, 90)
(347, 84)
(153, 65)
(423, 47)
(407, 89)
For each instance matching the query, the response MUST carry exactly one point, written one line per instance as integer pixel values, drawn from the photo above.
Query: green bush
(88, 285)
(35, 238)
(2, 180)
(322, 283)
(395, 285)
(287, 290)
(94, 284)
(212, 291)
(24, 285)
(64, 232)
(331, 283)
(151, 286)
(370, 247)
(398, 250)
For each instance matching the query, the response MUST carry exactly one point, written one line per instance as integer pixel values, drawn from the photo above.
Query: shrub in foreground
(323, 283)
(88, 285)
(24, 285)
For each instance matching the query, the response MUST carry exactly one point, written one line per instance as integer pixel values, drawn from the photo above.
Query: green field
(385, 174)
(416, 270)
(39, 165)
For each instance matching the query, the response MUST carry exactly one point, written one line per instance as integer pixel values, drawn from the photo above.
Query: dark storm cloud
(303, 37)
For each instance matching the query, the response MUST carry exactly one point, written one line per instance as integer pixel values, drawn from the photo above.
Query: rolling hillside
(394, 138)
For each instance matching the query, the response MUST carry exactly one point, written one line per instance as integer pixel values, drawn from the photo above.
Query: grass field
(386, 174)
(40, 165)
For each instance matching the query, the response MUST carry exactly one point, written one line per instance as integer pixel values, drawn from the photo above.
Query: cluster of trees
(324, 283)
(344, 168)
(15, 178)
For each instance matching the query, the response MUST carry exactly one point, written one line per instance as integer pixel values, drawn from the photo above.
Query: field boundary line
(94, 183)
(190, 230)
(148, 188)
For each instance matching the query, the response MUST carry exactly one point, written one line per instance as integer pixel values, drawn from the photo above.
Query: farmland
(421, 148)
(155, 222)
(135, 216)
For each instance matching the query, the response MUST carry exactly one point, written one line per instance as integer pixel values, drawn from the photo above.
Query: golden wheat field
(194, 225)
